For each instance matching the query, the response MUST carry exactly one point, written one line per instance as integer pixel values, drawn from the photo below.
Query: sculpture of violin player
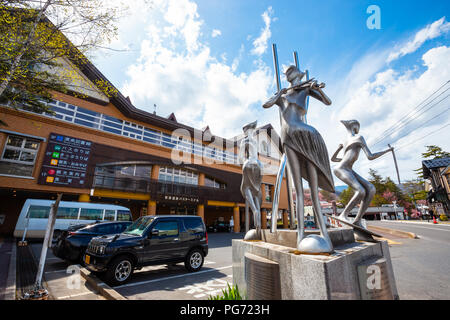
(252, 170)
(306, 153)
(364, 190)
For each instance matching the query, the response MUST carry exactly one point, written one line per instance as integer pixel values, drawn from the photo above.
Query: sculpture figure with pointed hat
(364, 190)
(306, 153)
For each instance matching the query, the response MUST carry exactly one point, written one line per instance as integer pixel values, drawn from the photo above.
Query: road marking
(389, 241)
(172, 277)
(207, 289)
(55, 271)
(432, 228)
(75, 295)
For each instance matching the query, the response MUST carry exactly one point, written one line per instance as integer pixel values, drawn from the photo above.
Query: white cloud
(431, 31)
(260, 43)
(180, 75)
(216, 33)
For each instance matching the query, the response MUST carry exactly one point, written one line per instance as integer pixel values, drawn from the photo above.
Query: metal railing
(157, 187)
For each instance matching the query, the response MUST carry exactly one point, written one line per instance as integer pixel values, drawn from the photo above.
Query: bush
(231, 293)
(443, 217)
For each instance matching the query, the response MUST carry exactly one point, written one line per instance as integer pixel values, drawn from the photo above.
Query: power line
(422, 124)
(415, 117)
(431, 133)
(393, 127)
(396, 139)
(412, 119)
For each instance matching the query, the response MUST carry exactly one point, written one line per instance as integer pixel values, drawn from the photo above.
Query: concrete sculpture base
(273, 269)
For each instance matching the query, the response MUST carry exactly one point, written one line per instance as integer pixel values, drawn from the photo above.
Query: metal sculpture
(307, 155)
(252, 170)
(364, 190)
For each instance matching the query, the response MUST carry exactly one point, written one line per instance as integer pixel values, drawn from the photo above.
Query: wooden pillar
(201, 211)
(237, 219)
(151, 211)
(155, 172)
(201, 179)
(263, 218)
(263, 192)
(84, 198)
(285, 219)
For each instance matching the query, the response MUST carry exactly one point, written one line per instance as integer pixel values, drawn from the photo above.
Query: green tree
(36, 55)
(346, 195)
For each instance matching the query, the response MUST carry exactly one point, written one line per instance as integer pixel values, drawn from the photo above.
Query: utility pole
(39, 292)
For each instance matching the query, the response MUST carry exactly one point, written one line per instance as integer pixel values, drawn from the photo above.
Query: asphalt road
(421, 266)
(162, 282)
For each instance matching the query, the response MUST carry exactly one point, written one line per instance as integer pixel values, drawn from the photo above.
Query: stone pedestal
(356, 270)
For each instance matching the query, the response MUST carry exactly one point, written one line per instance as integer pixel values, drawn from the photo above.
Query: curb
(417, 222)
(10, 292)
(395, 232)
(105, 290)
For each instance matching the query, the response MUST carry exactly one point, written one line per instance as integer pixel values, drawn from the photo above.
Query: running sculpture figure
(306, 153)
(364, 190)
(251, 181)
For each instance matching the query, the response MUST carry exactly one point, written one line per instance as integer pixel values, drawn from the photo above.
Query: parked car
(219, 226)
(150, 240)
(71, 244)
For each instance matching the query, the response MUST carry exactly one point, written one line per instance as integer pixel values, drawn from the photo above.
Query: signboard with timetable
(66, 161)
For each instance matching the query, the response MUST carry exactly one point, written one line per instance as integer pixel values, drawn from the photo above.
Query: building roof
(428, 165)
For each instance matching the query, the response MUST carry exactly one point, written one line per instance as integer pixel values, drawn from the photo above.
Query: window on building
(267, 189)
(213, 183)
(176, 175)
(19, 156)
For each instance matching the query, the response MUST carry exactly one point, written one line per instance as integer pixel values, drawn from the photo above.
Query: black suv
(150, 240)
(71, 244)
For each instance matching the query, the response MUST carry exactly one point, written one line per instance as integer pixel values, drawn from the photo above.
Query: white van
(35, 212)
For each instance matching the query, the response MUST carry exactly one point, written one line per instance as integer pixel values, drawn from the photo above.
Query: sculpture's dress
(251, 174)
(304, 139)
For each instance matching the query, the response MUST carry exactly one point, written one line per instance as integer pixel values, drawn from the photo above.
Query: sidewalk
(6, 253)
(62, 280)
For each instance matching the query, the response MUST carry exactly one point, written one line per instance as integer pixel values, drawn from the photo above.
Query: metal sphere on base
(252, 234)
(315, 244)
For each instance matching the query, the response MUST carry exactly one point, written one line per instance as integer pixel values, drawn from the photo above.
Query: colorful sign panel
(66, 161)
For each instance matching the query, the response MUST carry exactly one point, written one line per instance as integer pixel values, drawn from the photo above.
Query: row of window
(107, 174)
(177, 175)
(96, 120)
(42, 212)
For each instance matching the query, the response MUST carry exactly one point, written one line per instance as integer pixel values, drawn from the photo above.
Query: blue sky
(210, 62)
